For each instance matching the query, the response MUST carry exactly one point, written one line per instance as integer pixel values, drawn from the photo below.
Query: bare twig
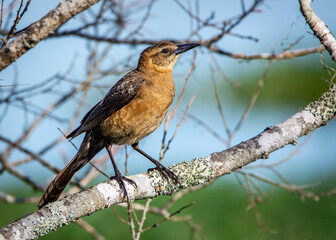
(171, 114)
(16, 21)
(253, 206)
(89, 229)
(143, 218)
(8, 198)
(253, 98)
(220, 110)
(178, 125)
(155, 225)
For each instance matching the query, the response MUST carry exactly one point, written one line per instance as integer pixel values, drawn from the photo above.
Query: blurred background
(51, 87)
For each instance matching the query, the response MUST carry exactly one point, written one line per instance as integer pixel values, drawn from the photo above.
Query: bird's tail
(86, 152)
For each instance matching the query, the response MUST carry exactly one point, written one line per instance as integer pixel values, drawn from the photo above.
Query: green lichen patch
(47, 223)
(195, 172)
(324, 109)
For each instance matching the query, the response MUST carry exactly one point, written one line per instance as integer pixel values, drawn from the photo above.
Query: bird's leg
(118, 176)
(165, 172)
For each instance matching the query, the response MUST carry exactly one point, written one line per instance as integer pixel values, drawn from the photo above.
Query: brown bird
(133, 108)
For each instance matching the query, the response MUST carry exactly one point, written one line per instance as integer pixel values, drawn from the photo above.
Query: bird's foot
(165, 172)
(121, 181)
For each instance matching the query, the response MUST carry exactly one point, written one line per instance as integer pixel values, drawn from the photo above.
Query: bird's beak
(185, 47)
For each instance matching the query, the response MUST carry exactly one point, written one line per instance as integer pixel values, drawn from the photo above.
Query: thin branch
(178, 125)
(171, 114)
(12, 199)
(89, 229)
(269, 56)
(253, 98)
(220, 109)
(253, 206)
(155, 225)
(208, 128)
(130, 219)
(1, 14)
(16, 22)
(143, 218)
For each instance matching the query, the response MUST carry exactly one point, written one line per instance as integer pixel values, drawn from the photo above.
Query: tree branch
(288, 54)
(320, 30)
(196, 172)
(42, 29)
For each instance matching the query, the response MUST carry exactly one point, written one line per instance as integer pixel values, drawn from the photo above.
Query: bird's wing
(118, 96)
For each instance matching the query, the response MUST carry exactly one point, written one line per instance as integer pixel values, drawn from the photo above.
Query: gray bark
(320, 30)
(42, 29)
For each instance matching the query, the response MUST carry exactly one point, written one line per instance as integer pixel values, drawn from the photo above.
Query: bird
(131, 110)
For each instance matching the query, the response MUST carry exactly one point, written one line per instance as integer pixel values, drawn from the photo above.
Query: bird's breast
(143, 114)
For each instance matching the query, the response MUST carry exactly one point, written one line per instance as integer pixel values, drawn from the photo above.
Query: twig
(253, 98)
(130, 218)
(143, 218)
(208, 128)
(89, 229)
(171, 114)
(253, 206)
(16, 21)
(167, 218)
(8, 198)
(219, 69)
(118, 216)
(220, 110)
(178, 125)
(1, 15)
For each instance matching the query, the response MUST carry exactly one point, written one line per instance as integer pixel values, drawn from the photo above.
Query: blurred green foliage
(288, 83)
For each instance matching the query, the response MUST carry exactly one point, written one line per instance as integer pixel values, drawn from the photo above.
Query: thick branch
(42, 29)
(320, 30)
(196, 172)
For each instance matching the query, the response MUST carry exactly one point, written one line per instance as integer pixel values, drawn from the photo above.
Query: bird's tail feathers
(61, 180)
(86, 152)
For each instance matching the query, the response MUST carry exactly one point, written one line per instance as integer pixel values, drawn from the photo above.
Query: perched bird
(132, 109)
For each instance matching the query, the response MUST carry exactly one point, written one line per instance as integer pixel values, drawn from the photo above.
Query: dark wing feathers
(118, 96)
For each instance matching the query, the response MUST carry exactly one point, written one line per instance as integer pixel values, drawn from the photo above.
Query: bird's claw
(121, 181)
(165, 172)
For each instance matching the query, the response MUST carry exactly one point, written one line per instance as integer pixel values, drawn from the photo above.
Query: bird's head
(161, 57)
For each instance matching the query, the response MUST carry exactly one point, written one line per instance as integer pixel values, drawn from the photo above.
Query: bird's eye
(165, 50)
